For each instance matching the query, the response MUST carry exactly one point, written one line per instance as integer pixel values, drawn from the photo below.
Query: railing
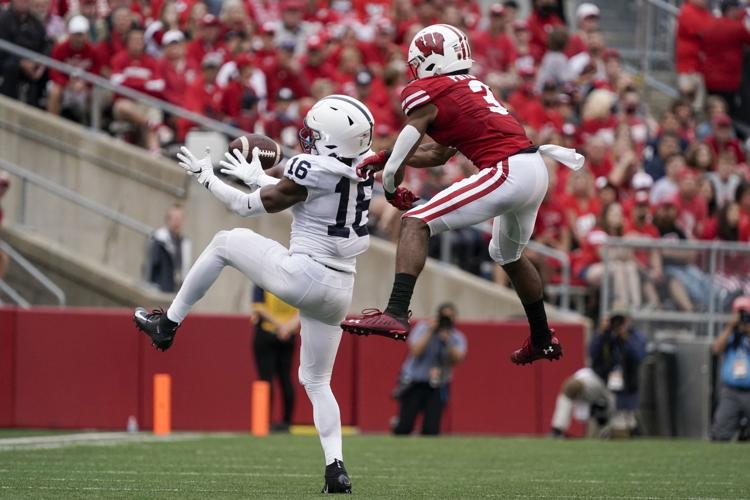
(28, 177)
(710, 259)
(14, 295)
(34, 272)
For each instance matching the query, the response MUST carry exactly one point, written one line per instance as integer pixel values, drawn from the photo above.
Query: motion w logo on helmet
(431, 43)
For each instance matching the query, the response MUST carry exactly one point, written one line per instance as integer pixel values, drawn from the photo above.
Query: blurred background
(644, 252)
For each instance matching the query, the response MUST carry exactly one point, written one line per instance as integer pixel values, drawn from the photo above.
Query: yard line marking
(88, 438)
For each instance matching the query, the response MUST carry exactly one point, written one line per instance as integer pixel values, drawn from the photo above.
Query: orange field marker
(260, 409)
(162, 404)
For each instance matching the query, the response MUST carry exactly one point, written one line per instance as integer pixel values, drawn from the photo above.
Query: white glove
(237, 166)
(202, 168)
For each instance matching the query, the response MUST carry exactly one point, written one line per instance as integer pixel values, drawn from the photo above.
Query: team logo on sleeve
(431, 43)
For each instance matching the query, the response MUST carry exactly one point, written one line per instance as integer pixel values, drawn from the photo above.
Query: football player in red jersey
(461, 114)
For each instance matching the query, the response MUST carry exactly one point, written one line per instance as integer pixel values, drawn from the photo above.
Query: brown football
(270, 151)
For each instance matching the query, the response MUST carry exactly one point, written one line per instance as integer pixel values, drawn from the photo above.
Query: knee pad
(310, 381)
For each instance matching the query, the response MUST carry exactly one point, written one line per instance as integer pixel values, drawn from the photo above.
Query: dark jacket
(609, 351)
(168, 260)
(26, 31)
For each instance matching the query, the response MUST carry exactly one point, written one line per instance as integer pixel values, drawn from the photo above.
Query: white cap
(586, 10)
(172, 36)
(641, 180)
(78, 24)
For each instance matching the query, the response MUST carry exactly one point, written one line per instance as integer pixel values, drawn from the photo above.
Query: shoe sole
(365, 332)
(145, 332)
(553, 357)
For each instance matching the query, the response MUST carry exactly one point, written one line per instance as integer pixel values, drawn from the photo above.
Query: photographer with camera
(435, 347)
(616, 356)
(734, 398)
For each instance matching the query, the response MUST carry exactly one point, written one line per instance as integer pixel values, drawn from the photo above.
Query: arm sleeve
(412, 98)
(239, 202)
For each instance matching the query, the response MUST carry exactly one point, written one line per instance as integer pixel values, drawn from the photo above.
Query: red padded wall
(7, 375)
(73, 368)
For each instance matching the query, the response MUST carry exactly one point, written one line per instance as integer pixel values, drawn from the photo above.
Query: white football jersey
(331, 225)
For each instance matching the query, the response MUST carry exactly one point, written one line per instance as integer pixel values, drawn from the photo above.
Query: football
(270, 151)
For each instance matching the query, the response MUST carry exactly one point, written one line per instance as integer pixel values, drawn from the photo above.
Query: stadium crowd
(260, 64)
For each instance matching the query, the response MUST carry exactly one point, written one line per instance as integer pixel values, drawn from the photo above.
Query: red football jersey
(470, 118)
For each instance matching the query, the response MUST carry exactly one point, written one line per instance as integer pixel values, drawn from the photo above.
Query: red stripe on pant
(499, 182)
(483, 177)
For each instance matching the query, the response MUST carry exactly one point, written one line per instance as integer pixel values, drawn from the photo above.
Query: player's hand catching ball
(402, 198)
(373, 164)
(202, 168)
(237, 166)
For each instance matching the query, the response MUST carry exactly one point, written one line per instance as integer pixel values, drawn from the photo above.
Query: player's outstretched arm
(408, 140)
(269, 199)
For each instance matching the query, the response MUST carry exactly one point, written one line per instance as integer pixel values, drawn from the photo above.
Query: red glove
(373, 164)
(403, 199)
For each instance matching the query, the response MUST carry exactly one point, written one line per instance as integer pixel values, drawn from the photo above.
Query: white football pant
(321, 294)
(510, 193)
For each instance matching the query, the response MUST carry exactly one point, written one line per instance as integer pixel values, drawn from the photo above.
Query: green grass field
(234, 466)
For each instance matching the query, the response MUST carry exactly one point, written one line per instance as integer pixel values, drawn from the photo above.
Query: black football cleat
(160, 329)
(337, 480)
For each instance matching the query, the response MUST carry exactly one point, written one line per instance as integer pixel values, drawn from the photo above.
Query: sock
(403, 288)
(540, 334)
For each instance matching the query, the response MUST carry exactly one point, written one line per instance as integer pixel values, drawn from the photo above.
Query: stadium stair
(99, 261)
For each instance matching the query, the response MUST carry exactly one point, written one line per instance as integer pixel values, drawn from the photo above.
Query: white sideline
(87, 438)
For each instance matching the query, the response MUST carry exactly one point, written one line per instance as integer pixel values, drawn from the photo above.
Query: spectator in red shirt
(177, 73)
(240, 97)
(206, 40)
(693, 18)
(581, 205)
(381, 50)
(598, 158)
(693, 207)
(316, 63)
(122, 22)
(525, 102)
(723, 139)
(543, 18)
(283, 123)
(522, 37)
(493, 49)
(203, 95)
(723, 42)
(286, 72)
(587, 16)
(641, 185)
(265, 48)
(134, 69)
(72, 94)
(650, 266)
(371, 91)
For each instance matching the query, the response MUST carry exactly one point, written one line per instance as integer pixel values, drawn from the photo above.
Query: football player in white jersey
(315, 274)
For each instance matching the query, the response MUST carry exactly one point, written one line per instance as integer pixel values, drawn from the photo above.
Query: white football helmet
(438, 50)
(337, 125)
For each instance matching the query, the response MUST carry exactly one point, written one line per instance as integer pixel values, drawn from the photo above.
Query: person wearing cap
(640, 186)
(639, 225)
(242, 92)
(284, 117)
(19, 26)
(493, 49)
(723, 140)
(694, 16)
(316, 63)
(616, 352)
(286, 71)
(587, 20)
(133, 68)
(293, 28)
(382, 50)
(733, 345)
(687, 284)
(64, 91)
(207, 40)
(175, 69)
(723, 42)
(203, 95)
(522, 44)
